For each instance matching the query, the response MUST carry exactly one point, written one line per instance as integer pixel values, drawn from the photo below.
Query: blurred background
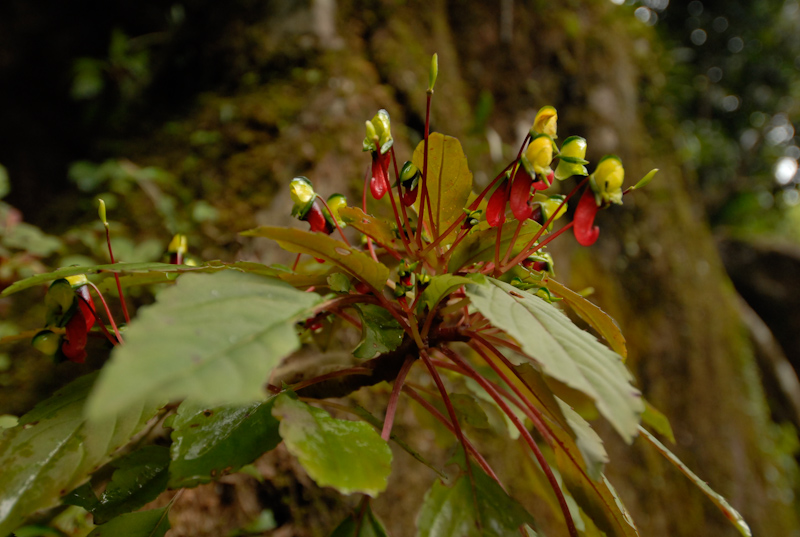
(192, 116)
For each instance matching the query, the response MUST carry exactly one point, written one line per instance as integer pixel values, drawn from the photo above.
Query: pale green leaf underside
(563, 351)
(319, 245)
(380, 332)
(368, 526)
(440, 286)
(211, 337)
(346, 455)
(53, 450)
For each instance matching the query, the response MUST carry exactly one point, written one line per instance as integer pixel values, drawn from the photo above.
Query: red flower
(586, 232)
(496, 208)
(521, 195)
(74, 346)
(379, 184)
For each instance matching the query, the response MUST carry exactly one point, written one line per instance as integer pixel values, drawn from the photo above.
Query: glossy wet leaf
(53, 450)
(138, 479)
(380, 332)
(722, 504)
(152, 523)
(449, 180)
(119, 268)
(480, 245)
(353, 261)
(451, 511)
(208, 443)
(211, 337)
(594, 316)
(563, 351)
(368, 526)
(349, 456)
(441, 286)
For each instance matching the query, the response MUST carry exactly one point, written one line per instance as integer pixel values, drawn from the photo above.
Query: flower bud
(606, 181)
(46, 342)
(434, 72)
(545, 122)
(553, 204)
(571, 159)
(303, 195)
(101, 211)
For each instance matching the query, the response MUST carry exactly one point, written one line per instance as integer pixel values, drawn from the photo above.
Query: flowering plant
(457, 306)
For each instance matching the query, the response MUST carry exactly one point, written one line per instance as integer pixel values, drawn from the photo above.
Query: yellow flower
(545, 122)
(379, 133)
(539, 155)
(302, 193)
(606, 181)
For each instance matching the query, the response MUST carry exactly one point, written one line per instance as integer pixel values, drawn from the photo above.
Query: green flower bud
(335, 202)
(379, 133)
(60, 302)
(303, 196)
(46, 342)
(551, 205)
(606, 181)
(409, 175)
(434, 72)
(571, 159)
(101, 211)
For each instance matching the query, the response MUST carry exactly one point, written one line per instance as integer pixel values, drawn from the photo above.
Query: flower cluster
(70, 316)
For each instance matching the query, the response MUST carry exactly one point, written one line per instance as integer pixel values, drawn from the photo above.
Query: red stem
(424, 181)
(100, 322)
(525, 434)
(116, 276)
(108, 312)
(400, 227)
(364, 208)
(438, 415)
(391, 409)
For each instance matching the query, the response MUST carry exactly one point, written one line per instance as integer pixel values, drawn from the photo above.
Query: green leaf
(368, 526)
(346, 455)
(153, 523)
(53, 450)
(469, 410)
(722, 504)
(209, 443)
(353, 261)
(212, 337)
(140, 477)
(440, 286)
(449, 180)
(380, 332)
(658, 421)
(379, 230)
(451, 511)
(480, 245)
(563, 351)
(594, 316)
(40, 279)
